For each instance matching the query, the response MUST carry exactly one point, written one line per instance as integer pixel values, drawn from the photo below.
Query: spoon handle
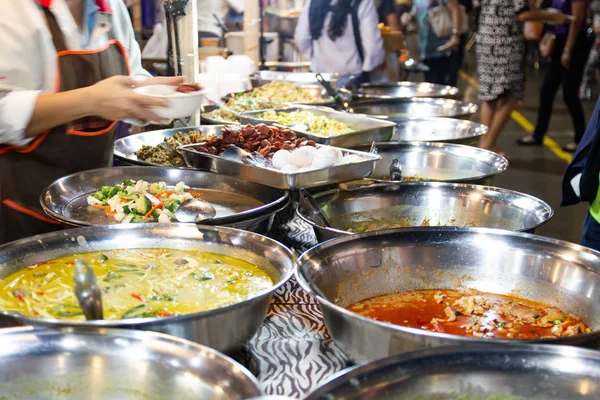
(87, 291)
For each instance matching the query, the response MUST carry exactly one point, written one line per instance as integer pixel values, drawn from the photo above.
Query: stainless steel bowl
(403, 90)
(418, 203)
(443, 162)
(261, 78)
(416, 108)
(239, 203)
(472, 372)
(343, 271)
(447, 130)
(224, 328)
(115, 364)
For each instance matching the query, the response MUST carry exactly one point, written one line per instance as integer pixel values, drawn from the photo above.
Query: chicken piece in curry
(471, 313)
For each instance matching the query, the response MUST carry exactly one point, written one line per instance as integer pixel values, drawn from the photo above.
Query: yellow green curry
(135, 283)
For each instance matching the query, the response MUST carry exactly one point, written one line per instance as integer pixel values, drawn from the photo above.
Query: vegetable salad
(140, 201)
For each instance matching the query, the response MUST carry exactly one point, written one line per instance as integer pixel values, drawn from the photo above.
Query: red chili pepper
(41, 293)
(19, 297)
(137, 296)
(42, 263)
(35, 312)
(164, 314)
(71, 263)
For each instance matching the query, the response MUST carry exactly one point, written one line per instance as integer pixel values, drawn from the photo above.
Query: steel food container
(282, 180)
(116, 364)
(239, 203)
(472, 372)
(442, 162)
(365, 130)
(205, 109)
(124, 149)
(403, 90)
(414, 204)
(422, 107)
(343, 271)
(447, 130)
(223, 329)
(261, 78)
(317, 91)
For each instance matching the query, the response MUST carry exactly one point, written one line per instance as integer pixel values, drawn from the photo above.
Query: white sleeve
(21, 75)
(123, 30)
(370, 35)
(302, 36)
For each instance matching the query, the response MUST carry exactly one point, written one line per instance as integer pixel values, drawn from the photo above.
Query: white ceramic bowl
(181, 104)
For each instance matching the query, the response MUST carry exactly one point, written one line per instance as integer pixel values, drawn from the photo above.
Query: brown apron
(83, 144)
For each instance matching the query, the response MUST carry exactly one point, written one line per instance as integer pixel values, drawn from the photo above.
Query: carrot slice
(195, 193)
(164, 192)
(149, 213)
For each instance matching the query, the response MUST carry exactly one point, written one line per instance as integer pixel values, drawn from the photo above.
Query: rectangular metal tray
(366, 129)
(278, 179)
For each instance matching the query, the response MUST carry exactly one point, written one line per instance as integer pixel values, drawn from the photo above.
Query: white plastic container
(181, 105)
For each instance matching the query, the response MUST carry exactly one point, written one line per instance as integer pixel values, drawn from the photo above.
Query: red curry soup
(471, 313)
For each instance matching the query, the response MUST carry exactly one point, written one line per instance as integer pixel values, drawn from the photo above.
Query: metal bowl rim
(150, 321)
(453, 147)
(480, 188)
(451, 90)
(471, 108)
(198, 348)
(371, 367)
(481, 128)
(420, 332)
(274, 206)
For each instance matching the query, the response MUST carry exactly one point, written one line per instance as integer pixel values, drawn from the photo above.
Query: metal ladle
(87, 291)
(310, 204)
(195, 210)
(333, 93)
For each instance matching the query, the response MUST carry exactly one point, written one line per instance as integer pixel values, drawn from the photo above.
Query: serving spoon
(87, 291)
(235, 153)
(334, 93)
(195, 210)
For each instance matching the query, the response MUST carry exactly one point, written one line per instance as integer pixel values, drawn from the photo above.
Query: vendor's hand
(452, 44)
(565, 59)
(161, 80)
(113, 99)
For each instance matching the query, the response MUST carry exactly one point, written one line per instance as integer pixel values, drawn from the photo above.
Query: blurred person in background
(581, 181)
(341, 36)
(569, 56)
(208, 28)
(501, 60)
(436, 52)
(593, 63)
(457, 57)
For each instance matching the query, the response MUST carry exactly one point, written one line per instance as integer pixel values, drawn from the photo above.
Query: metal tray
(447, 130)
(205, 119)
(239, 203)
(124, 149)
(261, 78)
(403, 90)
(317, 90)
(281, 180)
(401, 109)
(366, 130)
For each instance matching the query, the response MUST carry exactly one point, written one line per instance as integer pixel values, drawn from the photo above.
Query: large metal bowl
(417, 203)
(343, 271)
(442, 162)
(224, 328)
(116, 364)
(416, 108)
(317, 91)
(403, 90)
(473, 372)
(447, 130)
(239, 203)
